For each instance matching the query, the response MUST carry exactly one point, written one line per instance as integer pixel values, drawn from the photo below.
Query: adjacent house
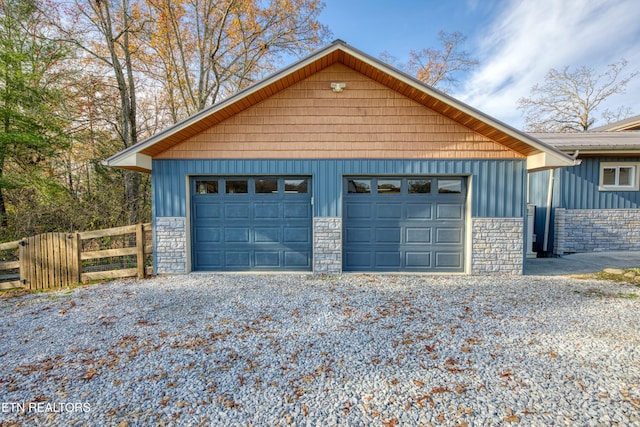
(336, 163)
(594, 206)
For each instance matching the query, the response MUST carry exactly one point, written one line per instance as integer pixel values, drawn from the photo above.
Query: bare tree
(438, 67)
(201, 51)
(568, 100)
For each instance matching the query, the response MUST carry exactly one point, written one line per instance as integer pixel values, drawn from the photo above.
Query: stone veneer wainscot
(497, 246)
(327, 245)
(594, 230)
(171, 245)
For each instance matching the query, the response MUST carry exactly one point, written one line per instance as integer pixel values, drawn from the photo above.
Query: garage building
(340, 163)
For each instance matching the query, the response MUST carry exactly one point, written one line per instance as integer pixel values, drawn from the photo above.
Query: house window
(619, 176)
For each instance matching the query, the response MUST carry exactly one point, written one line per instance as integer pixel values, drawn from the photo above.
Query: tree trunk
(3, 208)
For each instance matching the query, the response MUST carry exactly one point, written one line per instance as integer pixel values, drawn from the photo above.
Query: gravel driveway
(354, 350)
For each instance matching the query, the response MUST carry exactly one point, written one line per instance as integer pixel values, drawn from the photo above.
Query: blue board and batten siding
(576, 187)
(497, 186)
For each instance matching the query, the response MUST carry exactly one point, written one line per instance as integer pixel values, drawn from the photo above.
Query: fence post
(24, 264)
(76, 263)
(140, 251)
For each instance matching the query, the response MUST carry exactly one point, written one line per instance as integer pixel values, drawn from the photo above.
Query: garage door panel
(358, 259)
(388, 235)
(418, 235)
(208, 210)
(267, 259)
(266, 210)
(238, 259)
(266, 235)
(449, 211)
(297, 259)
(358, 235)
(448, 235)
(418, 259)
(297, 235)
(389, 259)
(358, 211)
(389, 211)
(209, 259)
(207, 235)
(296, 210)
(237, 211)
(448, 260)
(236, 235)
(419, 211)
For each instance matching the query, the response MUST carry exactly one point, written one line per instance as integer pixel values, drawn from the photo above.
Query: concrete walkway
(582, 263)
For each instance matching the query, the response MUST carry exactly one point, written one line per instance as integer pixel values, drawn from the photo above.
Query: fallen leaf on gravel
(89, 374)
(391, 423)
(512, 419)
(506, 373)
(429, 348)
(441, 418)
(418, 383)
(451, 361)
(552, 354)
(440, 390)
(123, 424)
(375, 413)
(305, 410)
(465, 349)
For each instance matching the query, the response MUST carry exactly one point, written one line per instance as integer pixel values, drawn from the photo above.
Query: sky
(515, 41)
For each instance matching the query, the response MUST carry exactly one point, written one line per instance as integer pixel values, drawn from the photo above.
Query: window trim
(635, 174)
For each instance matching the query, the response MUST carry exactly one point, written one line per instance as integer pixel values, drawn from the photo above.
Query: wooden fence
(54, 260)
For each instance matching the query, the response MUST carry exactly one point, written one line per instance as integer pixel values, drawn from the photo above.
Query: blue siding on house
(576, 187)
(498, 186)
(579, 189)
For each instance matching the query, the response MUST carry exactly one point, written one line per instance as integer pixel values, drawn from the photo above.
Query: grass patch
(626, 296)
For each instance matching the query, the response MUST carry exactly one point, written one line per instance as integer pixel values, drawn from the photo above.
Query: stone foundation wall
(327, 245)
(595, 230)
(171, 245)
(497, 246)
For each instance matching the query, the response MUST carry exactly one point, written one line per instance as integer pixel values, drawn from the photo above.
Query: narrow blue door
(404, 224)
(251, 223)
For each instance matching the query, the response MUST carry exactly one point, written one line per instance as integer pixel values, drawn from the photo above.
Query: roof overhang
(539, 154)
(585, 144)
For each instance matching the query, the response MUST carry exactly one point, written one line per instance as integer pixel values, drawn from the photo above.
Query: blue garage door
(404, 224)
(251, 223)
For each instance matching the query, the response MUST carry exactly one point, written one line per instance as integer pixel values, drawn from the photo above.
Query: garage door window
(296, 186)
(449, 186)
(237, 187)
(419, 186)
(359, 186)
(207, 187)
(266, 186)
(389, 186)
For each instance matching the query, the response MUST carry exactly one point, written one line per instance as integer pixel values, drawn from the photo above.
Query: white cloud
(529, 37)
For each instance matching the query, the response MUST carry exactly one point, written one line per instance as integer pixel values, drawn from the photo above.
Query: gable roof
(630, 123)
(539, 154)
(594, 143)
